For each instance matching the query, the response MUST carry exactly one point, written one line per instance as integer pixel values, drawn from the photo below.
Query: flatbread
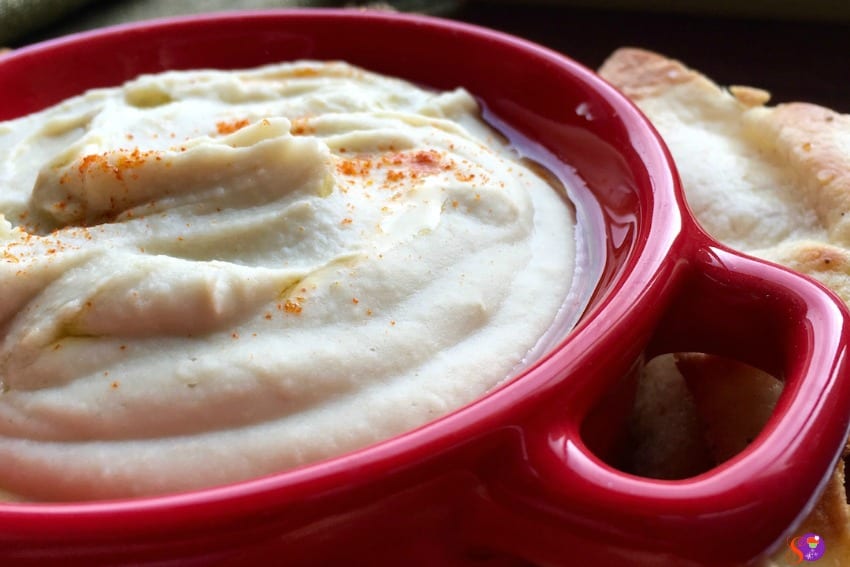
(770, 181)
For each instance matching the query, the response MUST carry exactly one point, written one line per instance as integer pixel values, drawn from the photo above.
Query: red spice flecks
(427, 157)
(134, 158)
(355, 166)
(302, 72)
(228, 127)
(292, 307)
(412, 165)
(395, 175)
(116, 162)
(91, 160)
(301, 126)
(424, 161)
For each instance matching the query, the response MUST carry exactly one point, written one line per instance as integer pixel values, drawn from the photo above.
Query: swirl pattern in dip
(209, 276)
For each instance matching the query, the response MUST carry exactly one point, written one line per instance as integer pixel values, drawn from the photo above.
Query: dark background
(793, 59)
(798, 54)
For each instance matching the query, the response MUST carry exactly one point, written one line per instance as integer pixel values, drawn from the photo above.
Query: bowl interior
(557, 112)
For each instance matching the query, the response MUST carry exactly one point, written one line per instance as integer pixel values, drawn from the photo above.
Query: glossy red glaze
(510, 478)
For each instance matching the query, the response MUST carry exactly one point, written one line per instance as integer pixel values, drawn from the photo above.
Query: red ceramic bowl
(519, 476)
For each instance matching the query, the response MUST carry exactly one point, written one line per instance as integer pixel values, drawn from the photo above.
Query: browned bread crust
(770, 181)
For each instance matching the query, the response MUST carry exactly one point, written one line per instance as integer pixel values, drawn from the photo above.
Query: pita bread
(770, 181)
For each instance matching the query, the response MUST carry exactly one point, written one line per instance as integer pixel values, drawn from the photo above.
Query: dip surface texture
(209, 276)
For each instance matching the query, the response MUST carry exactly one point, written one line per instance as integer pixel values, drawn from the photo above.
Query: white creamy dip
(210, 276)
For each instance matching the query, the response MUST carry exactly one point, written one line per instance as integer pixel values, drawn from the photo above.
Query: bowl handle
(728, 304)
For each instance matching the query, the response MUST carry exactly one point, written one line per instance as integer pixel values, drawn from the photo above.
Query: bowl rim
(641, 278)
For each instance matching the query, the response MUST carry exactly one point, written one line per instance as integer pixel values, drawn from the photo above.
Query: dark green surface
(22, 21)
(799, 10)
(20, 17)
